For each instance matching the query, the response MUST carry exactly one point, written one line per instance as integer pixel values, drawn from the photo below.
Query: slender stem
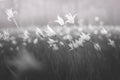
(15, 22)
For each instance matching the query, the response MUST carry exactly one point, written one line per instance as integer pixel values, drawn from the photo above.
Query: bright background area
(41, 12)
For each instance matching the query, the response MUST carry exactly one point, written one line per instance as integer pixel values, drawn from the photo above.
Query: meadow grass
(71, 53)
(68, 51)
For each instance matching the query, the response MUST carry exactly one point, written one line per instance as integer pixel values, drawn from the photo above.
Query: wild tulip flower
(51, 41)
(26, 35)
(10, 13)
(50, 31)
(70, 18)
(38, 32)
(35, 41)
(85, 37)
(97, 46)
(6, 35)
(104, 31)
(11, 16)
(111, 42)
(60, 21)
(71, 46)
(55, 47)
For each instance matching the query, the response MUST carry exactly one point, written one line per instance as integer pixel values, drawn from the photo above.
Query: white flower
(6, 35)
(85, 37)
(80, 42)
(6, 32)
(62, 43)
(111, 42)
(14, 42)
(50, 31)
(70, 18)
(55, 47)
(67, 37)
(52, 44)
(26, 34)
(38, 32)
(75, 44)
(10, 13)
(71, 46)
(103, 31)
(35, 41)
(97, 46)
(51, 41)
(60, 21)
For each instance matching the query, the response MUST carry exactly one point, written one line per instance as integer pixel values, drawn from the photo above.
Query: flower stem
(15, 22)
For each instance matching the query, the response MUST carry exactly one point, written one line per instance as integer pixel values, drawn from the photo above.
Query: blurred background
(41, 12)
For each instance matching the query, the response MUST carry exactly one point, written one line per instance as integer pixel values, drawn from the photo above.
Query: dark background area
(41, 12)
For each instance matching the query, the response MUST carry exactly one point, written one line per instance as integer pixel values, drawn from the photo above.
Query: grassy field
(60, 53)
